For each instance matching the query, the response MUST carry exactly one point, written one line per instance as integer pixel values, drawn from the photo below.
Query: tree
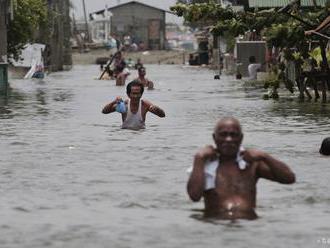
(282, 30)
(29, 17)
(226, 20)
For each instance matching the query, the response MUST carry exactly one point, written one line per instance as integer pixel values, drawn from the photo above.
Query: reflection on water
(70, 177)
(308, 110)
(232, 223)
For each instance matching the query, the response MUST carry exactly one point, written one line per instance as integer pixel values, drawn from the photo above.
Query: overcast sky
(95, 5)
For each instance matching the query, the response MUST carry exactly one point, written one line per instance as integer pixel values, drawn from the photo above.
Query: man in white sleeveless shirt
(136, 108)
(226, 175)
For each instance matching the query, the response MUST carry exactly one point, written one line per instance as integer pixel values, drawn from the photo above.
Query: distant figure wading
(143, 80)
(226, 175)
(253, 68)
(120, 71)
(134, 109)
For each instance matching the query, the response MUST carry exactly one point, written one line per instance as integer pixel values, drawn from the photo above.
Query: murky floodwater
(70, 177)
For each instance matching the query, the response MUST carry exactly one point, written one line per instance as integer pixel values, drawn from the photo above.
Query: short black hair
(141, 68)
(325, 147)
(134, 83)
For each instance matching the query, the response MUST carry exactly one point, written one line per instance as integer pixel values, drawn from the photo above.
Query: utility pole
(58, 54)
(217, 51)
(4, 10)
(3, 30)
(86, 23)
(67, 50)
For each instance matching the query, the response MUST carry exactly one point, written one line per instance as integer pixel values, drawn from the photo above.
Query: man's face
(135, 93)
(118, 56)
(142, 72)
(228, 138)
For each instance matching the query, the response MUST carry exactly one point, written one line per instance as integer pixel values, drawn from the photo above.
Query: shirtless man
(138, 64)
(226, 175)
(142, 79)
(137, 108)
(120, 71)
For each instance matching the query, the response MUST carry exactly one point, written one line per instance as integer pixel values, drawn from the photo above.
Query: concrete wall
(245, 49)
(133, 19)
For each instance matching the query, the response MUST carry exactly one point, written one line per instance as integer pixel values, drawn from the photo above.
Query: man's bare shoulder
(146, 102)
(252, 167)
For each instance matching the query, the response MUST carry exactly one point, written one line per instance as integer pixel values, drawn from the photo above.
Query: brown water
(70, 177)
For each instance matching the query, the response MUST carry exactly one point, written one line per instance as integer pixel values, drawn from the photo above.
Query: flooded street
(70, 177)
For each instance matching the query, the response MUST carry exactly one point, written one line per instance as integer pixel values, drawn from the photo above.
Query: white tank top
(133, 121)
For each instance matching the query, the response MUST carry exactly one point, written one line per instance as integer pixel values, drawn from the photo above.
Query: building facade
(143, 23)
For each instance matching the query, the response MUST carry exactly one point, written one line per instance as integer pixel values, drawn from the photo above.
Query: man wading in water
(226, 175)
(143, 80)
(135, 109)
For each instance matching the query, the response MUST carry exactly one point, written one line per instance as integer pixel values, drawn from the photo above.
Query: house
(100, 27)
(141, 22)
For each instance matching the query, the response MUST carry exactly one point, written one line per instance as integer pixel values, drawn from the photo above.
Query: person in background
(143, 80)
(120, 71)
(127, 42)
(136, 109)
(130, 63)
(142, 46)
(138, 64)
(108, 74)
(325, 147)
(253, 68)
(118, 43)
(134, 47)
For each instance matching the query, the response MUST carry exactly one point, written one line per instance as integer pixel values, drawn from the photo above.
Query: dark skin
(146, 82)
(135, 96)
(234, 195)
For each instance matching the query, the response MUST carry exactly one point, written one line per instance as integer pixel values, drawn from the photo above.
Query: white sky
(95, 5)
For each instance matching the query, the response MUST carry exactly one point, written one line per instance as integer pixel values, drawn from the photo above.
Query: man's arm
(150, 85)
(196, 182)
(111, 107)
(154, 109)
(269, 167)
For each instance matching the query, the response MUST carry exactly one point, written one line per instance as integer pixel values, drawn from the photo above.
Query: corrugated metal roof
(128, 3)
(281, 3)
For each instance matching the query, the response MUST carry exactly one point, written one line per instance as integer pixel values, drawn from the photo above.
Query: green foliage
(316, 54)
(204, 13)
(223, 19)
(29, 16)
(280, 29)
